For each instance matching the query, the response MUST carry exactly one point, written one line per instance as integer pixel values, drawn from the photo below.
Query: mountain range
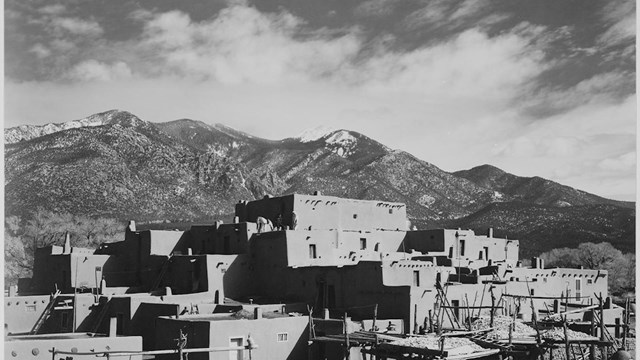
(115, 164)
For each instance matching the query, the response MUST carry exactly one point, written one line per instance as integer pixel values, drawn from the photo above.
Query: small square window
(589, 281)
(390, 211)
(355, 216)
(283, 337)
(31, 308)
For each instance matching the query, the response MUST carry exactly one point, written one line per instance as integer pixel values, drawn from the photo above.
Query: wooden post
(603, 349)
(601, 319)
(415, 318)
(566, 338)
(468, 311)
(626, 324)
(617, 328)
(493, 304)
(592, 348)
(346, 337)
(375, 316)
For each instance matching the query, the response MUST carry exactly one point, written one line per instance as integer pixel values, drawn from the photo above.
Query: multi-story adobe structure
(344, 255)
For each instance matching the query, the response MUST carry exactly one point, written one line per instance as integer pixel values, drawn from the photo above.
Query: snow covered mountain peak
(28, 132)
(315, 133)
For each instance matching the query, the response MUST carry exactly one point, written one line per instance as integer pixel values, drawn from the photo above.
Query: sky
(537, 88)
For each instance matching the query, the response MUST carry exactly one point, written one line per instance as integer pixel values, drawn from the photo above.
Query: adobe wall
(22, 312)
(332, 247)
(466, 245)
(167, 330)
(38, 347)
(186, 274)
(318, 212)
(277, 338)
(231, 238)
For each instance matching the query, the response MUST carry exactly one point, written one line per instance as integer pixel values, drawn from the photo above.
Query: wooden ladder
(45, 314)
(165, 267)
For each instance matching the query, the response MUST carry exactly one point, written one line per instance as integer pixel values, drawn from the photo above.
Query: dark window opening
(312, 251)
(355, 216)
(461, 247)
(451, 252)
(480, 255)
(64, 321)
(390, 211)
(363, 243)
(416, 278)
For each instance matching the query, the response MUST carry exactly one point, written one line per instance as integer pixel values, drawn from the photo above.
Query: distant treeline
(603, 256)
(23, 235)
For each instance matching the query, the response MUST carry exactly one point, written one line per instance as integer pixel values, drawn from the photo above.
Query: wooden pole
(493, 304)
(484, 288)
(346, 337)
(601, 319)
(375, 316)
(592, 348)
(566, 338)
(626, 324)
(603, 348)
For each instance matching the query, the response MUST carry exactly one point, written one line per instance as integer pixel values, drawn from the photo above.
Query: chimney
(189, 251)
(236, 219)
(67, 243)
(534, 262)
(113, 326)
(257, 313)
(490, 233)
(317, 193)
(325, 314)
(541, 263)
(132, 225)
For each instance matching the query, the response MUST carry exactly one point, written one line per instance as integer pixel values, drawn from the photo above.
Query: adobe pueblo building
(294, 277)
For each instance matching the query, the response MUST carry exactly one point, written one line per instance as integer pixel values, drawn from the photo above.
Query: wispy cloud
(76, 26)
(93, 70)
(620, 22)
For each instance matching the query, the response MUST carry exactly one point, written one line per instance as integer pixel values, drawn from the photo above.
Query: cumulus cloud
(242, 45)
(461, 68)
